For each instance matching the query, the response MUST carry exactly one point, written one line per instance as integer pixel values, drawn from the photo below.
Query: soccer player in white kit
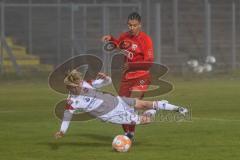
(105, 106)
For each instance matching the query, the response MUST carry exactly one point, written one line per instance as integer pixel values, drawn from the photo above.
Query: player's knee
(139, 104)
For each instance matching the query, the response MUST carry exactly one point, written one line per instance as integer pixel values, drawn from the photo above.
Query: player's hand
(101, 75)
(106, 38)
(59, 134)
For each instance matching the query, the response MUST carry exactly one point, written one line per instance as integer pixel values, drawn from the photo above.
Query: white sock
(132, 133)
(164, 105)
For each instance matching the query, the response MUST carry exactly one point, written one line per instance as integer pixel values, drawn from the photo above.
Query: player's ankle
(130, 135)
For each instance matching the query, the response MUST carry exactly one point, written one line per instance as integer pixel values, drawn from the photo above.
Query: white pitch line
(22, 111)
(196, 118)
(217, 119)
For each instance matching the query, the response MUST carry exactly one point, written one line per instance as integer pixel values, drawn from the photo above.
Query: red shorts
(139, 84)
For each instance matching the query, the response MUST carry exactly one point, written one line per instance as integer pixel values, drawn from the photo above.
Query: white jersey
(100, 105)
(86, 103)
(91, 100)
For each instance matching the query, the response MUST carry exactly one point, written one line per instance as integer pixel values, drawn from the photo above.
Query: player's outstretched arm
(102, 80)
(65, 124)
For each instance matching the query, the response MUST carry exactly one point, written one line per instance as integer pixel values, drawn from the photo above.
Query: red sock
(132, 128)
(125, 127)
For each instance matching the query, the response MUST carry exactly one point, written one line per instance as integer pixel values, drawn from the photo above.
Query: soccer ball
(192, 63)
(121, 143)
(210, 59)
(207, 67)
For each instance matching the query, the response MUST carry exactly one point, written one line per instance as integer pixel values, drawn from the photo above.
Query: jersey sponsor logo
(90, 106)
(134, 47)
(141, 82)
(87, 99)
(85, 90)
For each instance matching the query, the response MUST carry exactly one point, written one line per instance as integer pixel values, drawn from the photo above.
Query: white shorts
(122, 114)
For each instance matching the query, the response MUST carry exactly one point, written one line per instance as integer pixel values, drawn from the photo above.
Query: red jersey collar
(134, 35)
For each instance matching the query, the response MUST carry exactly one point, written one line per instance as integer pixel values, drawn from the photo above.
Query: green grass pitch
(27, 126)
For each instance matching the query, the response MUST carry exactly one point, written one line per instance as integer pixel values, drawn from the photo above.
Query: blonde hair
(73, 78)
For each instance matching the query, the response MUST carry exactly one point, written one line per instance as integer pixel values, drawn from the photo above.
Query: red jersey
(140, 55)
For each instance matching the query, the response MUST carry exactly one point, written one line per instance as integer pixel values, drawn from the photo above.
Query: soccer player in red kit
(136, 75)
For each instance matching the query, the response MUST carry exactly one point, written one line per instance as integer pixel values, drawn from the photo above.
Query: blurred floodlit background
(38, 35)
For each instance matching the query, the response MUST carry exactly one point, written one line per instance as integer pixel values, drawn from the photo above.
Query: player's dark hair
(134, 16)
